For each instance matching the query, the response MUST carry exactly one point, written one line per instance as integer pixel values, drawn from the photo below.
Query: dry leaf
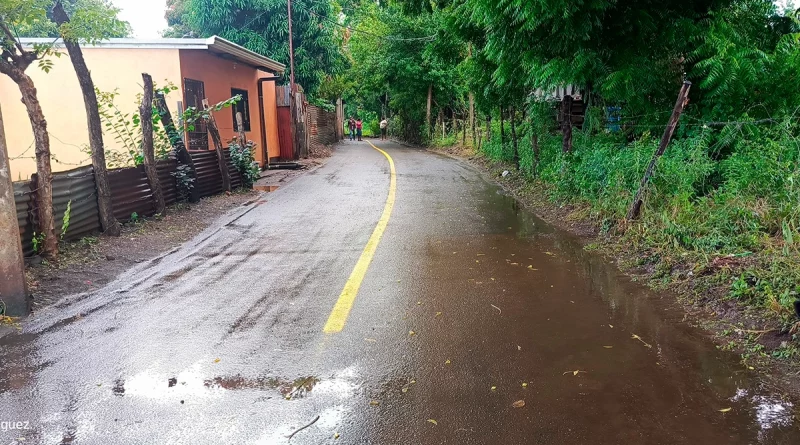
(636, 337)
(477, 261)
(608, 347)
(550, 253)
(481, 254)
(492, 279)
(494, 388)
(335, 435)
(418, 303)
(518, 404)
(725, 410)
(447, 362)
(576, 372)
(374, 402)
(404, 389)
(438, 314)
(515, 264)
(216, 360)
(519, 348)
(611, 326)
(524, 384)
(433, 421)
(412, 333)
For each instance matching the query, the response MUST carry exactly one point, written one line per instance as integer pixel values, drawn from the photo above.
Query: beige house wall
(62, 102)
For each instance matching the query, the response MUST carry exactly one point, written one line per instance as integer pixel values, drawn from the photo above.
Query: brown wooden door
(285, 134)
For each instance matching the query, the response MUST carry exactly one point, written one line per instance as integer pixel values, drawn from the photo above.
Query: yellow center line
(344, 304)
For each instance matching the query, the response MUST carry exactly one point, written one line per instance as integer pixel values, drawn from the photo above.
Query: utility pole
(13, 288)
(291, 49)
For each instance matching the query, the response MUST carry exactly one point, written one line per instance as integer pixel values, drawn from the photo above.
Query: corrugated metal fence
(130, 193)
(321, 127)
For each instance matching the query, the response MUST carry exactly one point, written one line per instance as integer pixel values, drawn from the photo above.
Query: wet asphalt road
(221, 341)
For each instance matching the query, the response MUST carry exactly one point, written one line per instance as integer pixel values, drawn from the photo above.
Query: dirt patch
(762, 337)
(92, 262)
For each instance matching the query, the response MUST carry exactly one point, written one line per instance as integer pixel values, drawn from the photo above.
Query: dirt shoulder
(762, 338)
(92, 262)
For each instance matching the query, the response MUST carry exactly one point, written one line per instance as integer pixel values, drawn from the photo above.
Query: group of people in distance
(356, 126)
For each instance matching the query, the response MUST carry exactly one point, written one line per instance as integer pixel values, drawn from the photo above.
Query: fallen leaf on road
(438, 314)
(571, 301)
(419, 303)
(524, 384)
(412, 333)
(576, 372)
(518, 404)
(413, 381)
(611, 326)
(608, 347)
(216, 360)
(515, 264)
(433, 421)
(636, 337)
(335, 435)
(494, 388)
(519, 348)
(492, 279)
(447, 362)
(404, 389)
(481, 254)
(498, 309)
(477, 261)
(725, 410)
(374, 402)
(549, 253)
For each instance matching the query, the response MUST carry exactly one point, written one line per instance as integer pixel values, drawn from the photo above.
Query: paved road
(468, 306)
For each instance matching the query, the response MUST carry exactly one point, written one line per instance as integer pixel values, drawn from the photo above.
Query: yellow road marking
(344, 304)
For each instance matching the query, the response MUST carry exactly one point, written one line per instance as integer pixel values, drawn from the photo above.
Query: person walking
(359, 124)
(351, 125)
(384, 128)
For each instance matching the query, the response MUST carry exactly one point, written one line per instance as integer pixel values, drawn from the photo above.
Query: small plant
(184, 182)
(242, 158)
(37, 241)
(134, 217)
(65, 220)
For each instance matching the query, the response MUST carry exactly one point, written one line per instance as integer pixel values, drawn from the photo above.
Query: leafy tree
(261, 26)
(92, 19)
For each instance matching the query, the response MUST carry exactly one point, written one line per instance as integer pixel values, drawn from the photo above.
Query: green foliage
(184, 181)
(262, 26)
(243, 159)
(127, 132)
(38, 241)
(65, 219)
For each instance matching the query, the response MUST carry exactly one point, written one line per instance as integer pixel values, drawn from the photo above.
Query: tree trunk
(535, 150)
(213, 131)
(175, 139)
(502, 128)
(428, 110)
(680, 104)
(13, 286)
(488, 126)
(566, 124)
(108, 223)
(240, 130)
(150, 167)
(514, 136)
(464, 134)
(44, 175)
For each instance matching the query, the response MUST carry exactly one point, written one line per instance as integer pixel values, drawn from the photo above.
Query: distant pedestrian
(384, 128)
(351, 125)
(359, 124)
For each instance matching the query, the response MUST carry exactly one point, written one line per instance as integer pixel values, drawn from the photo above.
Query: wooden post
(428, 110)
(566, 123)
(240, 129)
(464, 134)
(514, 136)
(13, 287)
(213, 131)
(680, 104)
(176, 140)
(150, 168)
(488, 126)
(478, 146)
(502, 127)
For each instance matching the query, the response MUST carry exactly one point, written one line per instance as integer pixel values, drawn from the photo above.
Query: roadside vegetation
(721, 217)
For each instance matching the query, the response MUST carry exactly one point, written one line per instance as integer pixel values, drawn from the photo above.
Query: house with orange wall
(212, 68)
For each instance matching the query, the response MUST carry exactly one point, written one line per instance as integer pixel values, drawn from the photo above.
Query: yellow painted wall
(219, 76)
(62, 102)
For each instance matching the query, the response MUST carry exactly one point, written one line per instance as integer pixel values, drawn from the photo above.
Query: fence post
(680, 104)
(13, 287)
(146, 114)
(566, 123)
(211, 123)
(176, 140)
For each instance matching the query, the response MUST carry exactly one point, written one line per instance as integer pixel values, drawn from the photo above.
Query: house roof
(213, 44)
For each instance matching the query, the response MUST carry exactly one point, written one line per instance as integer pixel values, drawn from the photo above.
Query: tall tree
(261, 26)
(71, 39)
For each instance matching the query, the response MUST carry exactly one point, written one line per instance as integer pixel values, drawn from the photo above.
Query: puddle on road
(523, 302)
